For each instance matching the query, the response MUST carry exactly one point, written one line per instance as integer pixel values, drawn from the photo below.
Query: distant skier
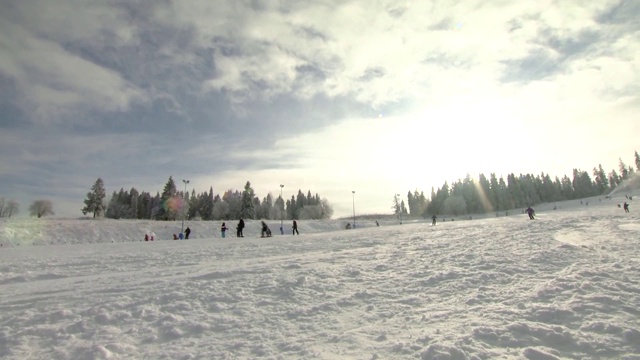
(433, 220)
(295, 228)
(377, 223)
(146, 237)
(240, 228)
(626, 207)
(531, 212)
(187, 231)
(223, 230)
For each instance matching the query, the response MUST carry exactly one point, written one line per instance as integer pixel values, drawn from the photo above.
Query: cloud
(221, 91)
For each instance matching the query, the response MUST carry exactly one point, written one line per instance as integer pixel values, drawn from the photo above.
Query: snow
(566, 285)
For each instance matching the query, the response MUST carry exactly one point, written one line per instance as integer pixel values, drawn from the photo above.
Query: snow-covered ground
(566, 285)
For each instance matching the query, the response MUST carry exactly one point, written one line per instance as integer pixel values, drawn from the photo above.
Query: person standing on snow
(187, 231)
(625, 206)
(433, 220)
(531, 212)
(240, 227)
(223, 230)
(295, 228)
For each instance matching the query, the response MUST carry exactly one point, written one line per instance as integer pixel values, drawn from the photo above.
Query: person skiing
(187, 231)
(625, 206)
(265, 230)
(433, 220)
(240, 227)
(223, 230)
(531, 212)
(295, 228)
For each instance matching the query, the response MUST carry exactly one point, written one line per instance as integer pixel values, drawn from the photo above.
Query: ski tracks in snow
(505, 287)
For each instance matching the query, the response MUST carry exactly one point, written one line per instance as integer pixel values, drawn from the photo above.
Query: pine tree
(637, 159)
(623, 170)
(94, 203)
(167, 209)
(247, 209)
(396, 206)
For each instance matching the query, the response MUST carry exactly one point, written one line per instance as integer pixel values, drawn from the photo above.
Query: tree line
(482, 195)
(173, 204)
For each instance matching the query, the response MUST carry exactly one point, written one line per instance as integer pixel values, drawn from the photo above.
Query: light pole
(354, 208)
(281, 212)
(400, 208)
(183, 204)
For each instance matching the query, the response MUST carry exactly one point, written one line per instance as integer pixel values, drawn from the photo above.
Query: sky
(563, 286)
(379, 97)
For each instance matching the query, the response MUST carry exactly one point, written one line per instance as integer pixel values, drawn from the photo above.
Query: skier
(240, 227)
(187, 231)
(223, 230)
(626, 207)
(433, 220)
(531, 212)
(295, 228)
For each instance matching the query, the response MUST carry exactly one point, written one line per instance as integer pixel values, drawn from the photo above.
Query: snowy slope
(564, 286)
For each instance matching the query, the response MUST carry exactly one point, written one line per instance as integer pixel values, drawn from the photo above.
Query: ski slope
(566, 286)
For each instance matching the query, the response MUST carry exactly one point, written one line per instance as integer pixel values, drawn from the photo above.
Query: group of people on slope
(266, 232)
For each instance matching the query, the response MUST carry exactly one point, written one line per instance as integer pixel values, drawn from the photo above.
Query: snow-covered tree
(169, 202)
(94, 203)
(247, 209)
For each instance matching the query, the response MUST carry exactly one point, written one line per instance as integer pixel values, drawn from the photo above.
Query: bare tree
(41, 208)
(12, 208)
(8, 208)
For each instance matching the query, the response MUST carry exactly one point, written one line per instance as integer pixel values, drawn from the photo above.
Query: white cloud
(54, 83)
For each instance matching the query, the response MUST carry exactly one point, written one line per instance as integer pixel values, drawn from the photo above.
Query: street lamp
(400, 208)
(354, 208)
(183, 204)
(281, 212)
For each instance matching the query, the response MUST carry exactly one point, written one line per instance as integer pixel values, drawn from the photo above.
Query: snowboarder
(223, 230)
(187, 231)
(265, 230)
(626, 207)
(433, 220)
(531, 212)
(239, 228)
(295, 228)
